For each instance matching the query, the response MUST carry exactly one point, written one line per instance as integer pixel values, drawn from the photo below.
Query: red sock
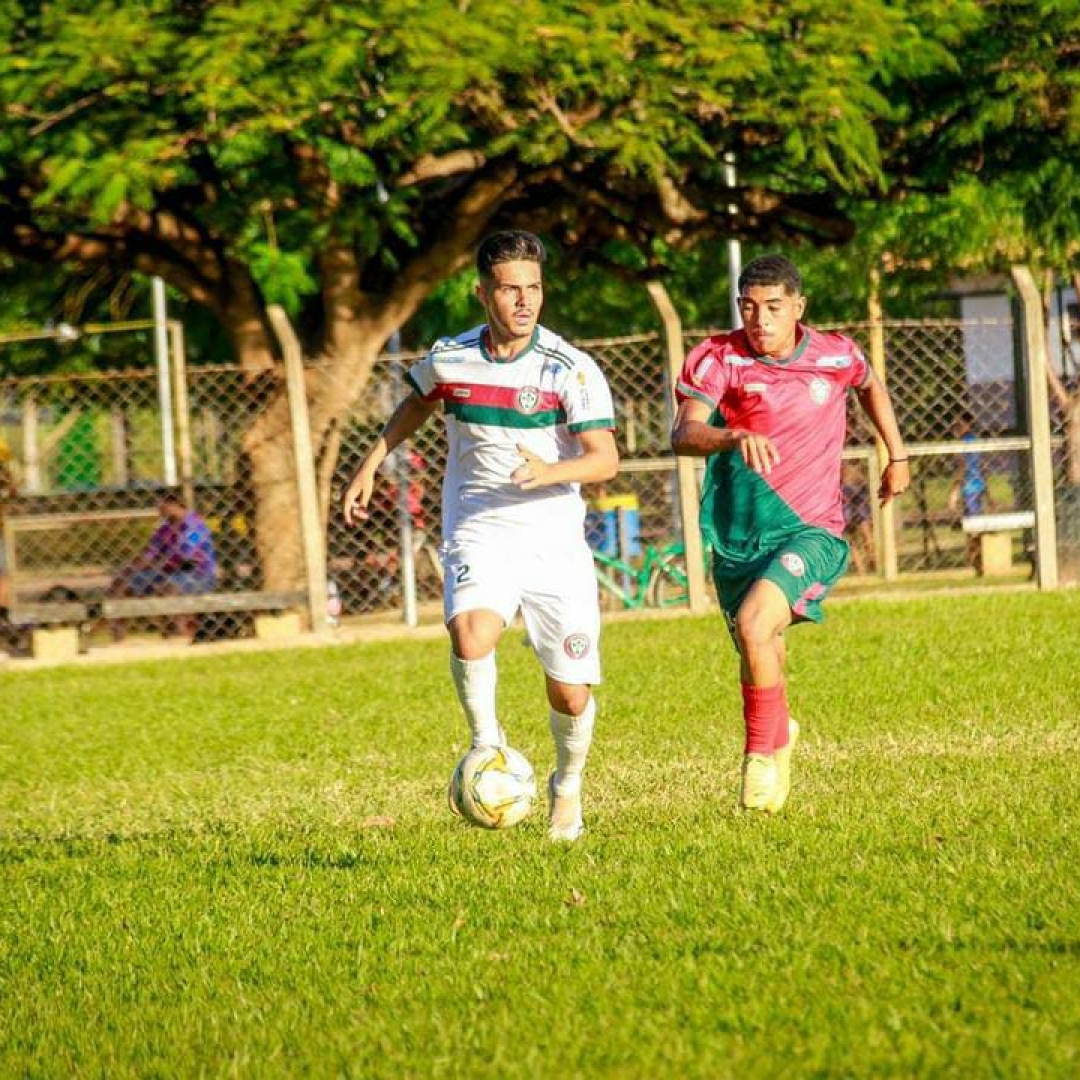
(781, 737)
(765, 716)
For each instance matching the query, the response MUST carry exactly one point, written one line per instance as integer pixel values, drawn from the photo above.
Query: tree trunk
(333, 387)
(267, 444)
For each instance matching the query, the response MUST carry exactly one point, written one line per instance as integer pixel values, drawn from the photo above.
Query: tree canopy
(342, 159)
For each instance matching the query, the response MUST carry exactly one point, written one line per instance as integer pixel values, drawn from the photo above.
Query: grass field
(243, 865)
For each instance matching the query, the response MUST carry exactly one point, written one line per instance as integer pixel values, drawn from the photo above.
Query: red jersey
(801, 404)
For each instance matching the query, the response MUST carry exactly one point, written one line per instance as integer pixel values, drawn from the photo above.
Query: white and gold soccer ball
(493, 787)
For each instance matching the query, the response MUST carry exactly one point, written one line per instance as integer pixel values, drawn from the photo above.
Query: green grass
(243, 865)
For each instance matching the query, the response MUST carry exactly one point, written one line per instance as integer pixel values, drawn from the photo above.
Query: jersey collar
(513, 359)
(801, 344)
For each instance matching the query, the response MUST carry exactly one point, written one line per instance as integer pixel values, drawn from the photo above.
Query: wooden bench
(54, 626)
(995, 533)
(278, 619)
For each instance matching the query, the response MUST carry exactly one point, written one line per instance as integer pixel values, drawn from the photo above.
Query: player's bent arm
(693, 436)
(876, 403)
(597, 462)
(410, 415)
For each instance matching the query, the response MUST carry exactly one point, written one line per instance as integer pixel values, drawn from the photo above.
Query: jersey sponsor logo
(528, 399)
(793, 563)
(819, 390)
(583, 393)
(738, 361)
(576, 646)
(834, 361)
(697, 376)
(755, 388)
(461, 392)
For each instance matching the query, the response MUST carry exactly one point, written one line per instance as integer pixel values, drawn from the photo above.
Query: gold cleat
(757, 788)
(782, 758)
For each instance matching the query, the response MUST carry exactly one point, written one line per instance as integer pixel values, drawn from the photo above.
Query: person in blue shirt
(967, 495)
(179, 559)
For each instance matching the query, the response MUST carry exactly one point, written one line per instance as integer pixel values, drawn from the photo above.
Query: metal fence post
(310, 527)
(1038, 410)
(688, 489)
(183, 409)
(161, 353)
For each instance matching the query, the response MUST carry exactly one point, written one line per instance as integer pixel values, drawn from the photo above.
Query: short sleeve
(422, 376)
(586, 398)
(860, 368)
(703, 376)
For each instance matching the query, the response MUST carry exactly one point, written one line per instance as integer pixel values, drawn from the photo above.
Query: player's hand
(532, 472)
(895, 480)
(758, 451)
(354, 503)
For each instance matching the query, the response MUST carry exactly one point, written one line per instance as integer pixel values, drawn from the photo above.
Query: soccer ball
(493, 787)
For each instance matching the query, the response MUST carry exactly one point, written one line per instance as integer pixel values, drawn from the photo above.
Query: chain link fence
(86, 458)
(961, 409)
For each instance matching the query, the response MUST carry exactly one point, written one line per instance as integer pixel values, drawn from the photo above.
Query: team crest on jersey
(819, 391)
(793, 564)
(576, 646)
(528, 399)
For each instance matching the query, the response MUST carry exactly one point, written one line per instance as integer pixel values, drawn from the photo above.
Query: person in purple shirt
(178, 559)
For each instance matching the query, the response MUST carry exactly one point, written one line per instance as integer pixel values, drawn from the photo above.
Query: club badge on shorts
(576, 646)
(793, 564)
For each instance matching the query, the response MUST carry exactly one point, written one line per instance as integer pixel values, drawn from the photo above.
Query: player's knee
(754, 630)
(470, 647)
(568, 698)
(472, 638)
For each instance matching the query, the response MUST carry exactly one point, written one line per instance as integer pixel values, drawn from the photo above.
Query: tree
(342, 160)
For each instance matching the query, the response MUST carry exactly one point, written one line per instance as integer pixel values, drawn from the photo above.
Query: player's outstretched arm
(597, 462)
(693, 436)
(410, 415)
(876, 403)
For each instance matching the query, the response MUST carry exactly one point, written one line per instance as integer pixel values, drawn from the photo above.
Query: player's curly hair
(509, 245)
(771, 270)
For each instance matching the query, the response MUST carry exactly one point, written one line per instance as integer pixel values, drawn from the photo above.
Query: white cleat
(565, 823)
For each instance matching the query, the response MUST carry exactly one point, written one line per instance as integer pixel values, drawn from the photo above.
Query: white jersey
(541, 399)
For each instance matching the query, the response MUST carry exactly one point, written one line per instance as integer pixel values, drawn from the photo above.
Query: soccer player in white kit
(529, 418)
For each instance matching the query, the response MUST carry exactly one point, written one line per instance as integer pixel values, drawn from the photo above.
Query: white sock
(475, 681)
(573, 737)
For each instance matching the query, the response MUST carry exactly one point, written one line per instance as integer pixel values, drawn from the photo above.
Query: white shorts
(549, 579)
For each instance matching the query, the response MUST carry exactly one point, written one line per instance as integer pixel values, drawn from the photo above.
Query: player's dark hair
(771, 270)
(174, 496)
(509, 245)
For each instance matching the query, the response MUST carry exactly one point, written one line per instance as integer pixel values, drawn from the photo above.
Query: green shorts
(804, 566)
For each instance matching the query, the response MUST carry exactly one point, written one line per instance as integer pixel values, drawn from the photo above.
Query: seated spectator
(179, 559)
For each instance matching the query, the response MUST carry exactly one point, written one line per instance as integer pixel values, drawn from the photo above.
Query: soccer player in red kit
(767, 406)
